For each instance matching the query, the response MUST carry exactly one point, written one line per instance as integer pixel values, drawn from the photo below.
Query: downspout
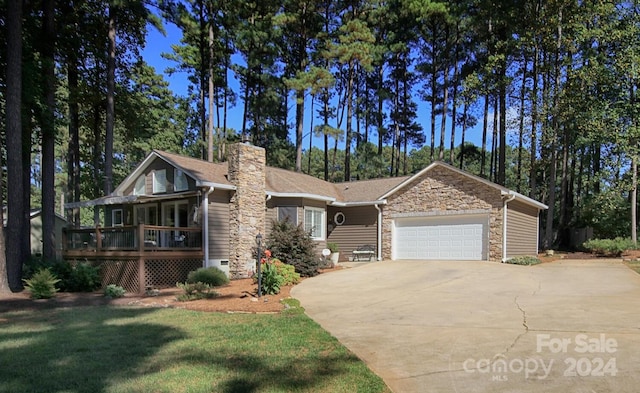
(504, 225)
(379, 251)
(205, 225)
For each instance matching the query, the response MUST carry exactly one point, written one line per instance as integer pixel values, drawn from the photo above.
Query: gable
(444, 191)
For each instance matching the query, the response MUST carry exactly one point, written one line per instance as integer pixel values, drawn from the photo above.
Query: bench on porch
(367, 251)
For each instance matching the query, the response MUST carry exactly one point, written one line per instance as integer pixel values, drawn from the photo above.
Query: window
(140, 186)
(314, 222)
(116, 217)
(146, 214)
(288, 213)
(179, 180)
(159, 181)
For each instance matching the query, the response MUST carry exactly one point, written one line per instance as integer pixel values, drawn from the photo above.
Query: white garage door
(441, 238)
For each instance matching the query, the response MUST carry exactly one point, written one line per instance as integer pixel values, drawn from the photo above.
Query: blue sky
(158, 44)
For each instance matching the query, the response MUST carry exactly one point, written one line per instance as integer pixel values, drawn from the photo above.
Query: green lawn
(634, 265)
(117, 349)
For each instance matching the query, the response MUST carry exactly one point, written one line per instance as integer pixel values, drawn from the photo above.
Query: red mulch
(237, 296)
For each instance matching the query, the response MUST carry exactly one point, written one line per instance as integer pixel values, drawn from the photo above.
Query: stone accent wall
(247, 209)
(443, 191)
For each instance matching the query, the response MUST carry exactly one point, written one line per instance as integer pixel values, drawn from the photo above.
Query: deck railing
(133, 238)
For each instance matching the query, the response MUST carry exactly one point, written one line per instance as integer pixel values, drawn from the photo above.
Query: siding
(522, 229)
(359, 228)
(219, 225)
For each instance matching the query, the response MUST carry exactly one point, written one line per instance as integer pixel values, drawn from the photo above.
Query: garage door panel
(454, 238)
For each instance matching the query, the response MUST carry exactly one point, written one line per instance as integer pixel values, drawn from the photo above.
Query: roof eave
(301, 195)
(218, 186)
(526, 199)
(361, 203)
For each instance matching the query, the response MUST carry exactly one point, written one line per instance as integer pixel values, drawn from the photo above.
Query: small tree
(293, 246)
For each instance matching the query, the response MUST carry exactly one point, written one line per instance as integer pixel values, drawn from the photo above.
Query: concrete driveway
(566, 326)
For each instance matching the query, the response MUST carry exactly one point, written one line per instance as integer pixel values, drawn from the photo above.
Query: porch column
(247, 209)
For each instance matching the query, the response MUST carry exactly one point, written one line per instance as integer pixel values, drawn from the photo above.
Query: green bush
(114, 291)
(42, 284)
(609, 247)
(292, 245)
(333, 247)
(212, 276)
(79, 278)
(271, 280)
(288, 273)
(83, 278)
(523, 260)
(195, 291)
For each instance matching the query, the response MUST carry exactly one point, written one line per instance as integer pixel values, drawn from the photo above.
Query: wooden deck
(137, 257)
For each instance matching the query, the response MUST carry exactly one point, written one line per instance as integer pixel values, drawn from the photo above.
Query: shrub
(271, 280)
(114, 291)
(42, 285)
(80, 278)
(523, 260)
(195, 291)
(609, 247)
(292, 245)
(333, 247)
(288, 273)
(83, 278)
(212, 276)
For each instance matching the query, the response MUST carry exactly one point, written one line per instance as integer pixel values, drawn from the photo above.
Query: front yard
(122, 349)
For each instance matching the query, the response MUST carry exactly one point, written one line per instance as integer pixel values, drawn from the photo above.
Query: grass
(116, 349)
(634, 265)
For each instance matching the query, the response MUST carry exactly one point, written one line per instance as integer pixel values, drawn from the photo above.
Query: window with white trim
(159, 181)
(116, 217)
(314, 219)
(179, 180)
(139, 189)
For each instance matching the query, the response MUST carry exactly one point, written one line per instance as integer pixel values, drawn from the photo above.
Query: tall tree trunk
(502, 98)
(445, 98)
(523, 91)
(549, 233)
(634, 198)
(111, 88)
(17, 218)
(4, 282)
(211, 86)
(48, 132)
(464, 131)
(73, 154)
(379, 116)
(299, 128)
(534, 123)
(454, 98)
(494, 142)
(347, 147)
(485, 125)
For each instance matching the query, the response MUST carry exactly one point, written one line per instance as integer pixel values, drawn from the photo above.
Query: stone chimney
(247, 209)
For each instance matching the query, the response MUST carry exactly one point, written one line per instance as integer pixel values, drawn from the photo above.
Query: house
(35, 220)
(211, 213)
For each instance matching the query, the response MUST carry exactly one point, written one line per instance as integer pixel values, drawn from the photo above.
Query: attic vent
(339, 218)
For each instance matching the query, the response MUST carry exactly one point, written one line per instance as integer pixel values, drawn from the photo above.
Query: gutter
(379, 247)
(511, 197)
(205, 225)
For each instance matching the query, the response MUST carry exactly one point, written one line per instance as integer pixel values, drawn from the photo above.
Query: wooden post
(141, 267)
(98, 238)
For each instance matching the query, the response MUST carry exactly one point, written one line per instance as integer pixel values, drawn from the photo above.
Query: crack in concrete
(524, 323)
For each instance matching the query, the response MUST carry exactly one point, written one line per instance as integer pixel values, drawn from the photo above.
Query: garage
(459, 237)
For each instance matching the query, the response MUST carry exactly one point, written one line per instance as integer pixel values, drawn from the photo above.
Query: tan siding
(359, 228)
(219, 225)
(522, 229)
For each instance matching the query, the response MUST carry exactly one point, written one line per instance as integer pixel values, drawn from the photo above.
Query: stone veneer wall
(247, 207)
(443, 191)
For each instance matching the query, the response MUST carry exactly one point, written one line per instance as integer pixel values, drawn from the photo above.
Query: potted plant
(335, 252)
